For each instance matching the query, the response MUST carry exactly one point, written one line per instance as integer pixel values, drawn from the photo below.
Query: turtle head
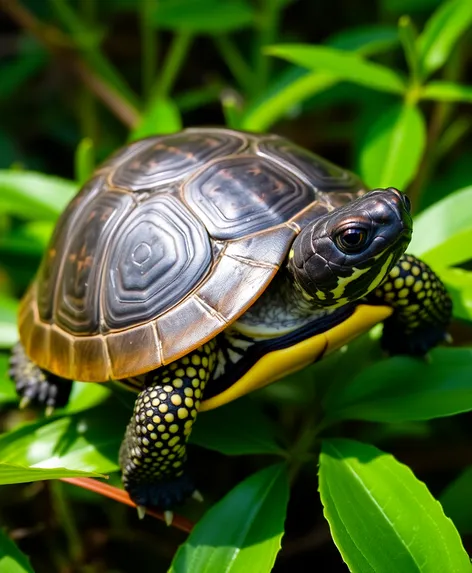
(347, 253)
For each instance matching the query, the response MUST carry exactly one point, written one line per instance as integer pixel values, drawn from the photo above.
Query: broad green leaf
(242, 532)
(267, 111)
(161, 117)
(86, 395)
(455, 501)
(446, 91)
(12, 473)
(393, 147)
(381, 517)
(32, 195)
(202, 16)
(8, 318)
(12, 560)
(406, 389)
(459, 285)
(441, 32)
(84, 160)
(343, 65)
(440, 223)
(365, 40)
(8, 393)
(221, 430)
(87, 441)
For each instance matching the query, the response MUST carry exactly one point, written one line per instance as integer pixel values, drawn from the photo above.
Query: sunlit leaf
(454, 500)
(381, 517)
(12, 560)
(12, 473)
(459, 285)
(162, 116)
(8, 319)
(447, 91)
(80, 441)
(242, 532)
(393, 147)
(403, 389)
(441, 33)
(343, 65)
(445, 221)
(202, 16)
(32, 195)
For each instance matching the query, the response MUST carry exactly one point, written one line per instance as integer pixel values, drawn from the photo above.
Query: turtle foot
(37, 387)
(164, 495)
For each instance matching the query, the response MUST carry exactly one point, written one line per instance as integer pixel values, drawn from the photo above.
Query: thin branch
(61, 47)
(179, 522)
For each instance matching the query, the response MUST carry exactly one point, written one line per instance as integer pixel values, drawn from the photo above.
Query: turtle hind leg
(421, 304)
(36, 386)
(153, 453)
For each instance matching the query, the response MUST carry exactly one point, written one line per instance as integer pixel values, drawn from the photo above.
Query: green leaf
(86, 395)
(393, 146)
(12, 560)
(381, 517)
(446, 91)
(32, 195)
(87, 441)
(441, 33)
(459, 285)
(242, 532)
(13, 473)
(365, 40)
(7, 389)
(406, 389)
(221, 430)
(265, 112)
(441, 226)
(162, 116)
(202, 16)
(454, 500)
(84, 160)
(343, 65)
(8, 318)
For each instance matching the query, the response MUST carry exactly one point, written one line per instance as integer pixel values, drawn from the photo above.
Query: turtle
(195, 267)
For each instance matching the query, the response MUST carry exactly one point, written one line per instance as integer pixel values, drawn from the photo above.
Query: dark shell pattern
(172, 240)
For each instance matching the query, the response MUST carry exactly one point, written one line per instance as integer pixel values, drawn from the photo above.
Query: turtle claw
(49, 411)
(168, 517)
(141, 511)
(197, 496)
(24, 402)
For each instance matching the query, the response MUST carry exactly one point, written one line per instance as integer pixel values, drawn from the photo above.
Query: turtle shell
(171, 240)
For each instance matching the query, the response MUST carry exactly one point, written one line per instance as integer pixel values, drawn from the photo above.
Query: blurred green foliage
(381, 87)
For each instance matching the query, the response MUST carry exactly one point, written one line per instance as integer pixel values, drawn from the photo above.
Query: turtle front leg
(422, 308)
(153, 452)
(36, 386)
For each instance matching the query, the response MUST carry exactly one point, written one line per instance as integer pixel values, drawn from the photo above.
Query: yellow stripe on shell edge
(279, 363)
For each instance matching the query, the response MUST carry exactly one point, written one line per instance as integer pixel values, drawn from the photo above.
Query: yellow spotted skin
(422, 307)
(153, 453)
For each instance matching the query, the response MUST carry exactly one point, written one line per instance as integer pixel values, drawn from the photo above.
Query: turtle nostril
(406, 202)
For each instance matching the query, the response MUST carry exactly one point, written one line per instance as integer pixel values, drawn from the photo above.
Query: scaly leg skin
(35, 386)
(422, 308)
(153, 452)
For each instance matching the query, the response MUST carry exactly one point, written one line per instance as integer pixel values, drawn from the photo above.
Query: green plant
(408, 126)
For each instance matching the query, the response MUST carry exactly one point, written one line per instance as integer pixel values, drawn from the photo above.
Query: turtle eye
(351, 240)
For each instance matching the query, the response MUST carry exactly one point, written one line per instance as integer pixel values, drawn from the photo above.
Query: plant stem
(235, 62)
(87, 101)
(149, 47)
(172, 64)
(268, 28)
(65, 518)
